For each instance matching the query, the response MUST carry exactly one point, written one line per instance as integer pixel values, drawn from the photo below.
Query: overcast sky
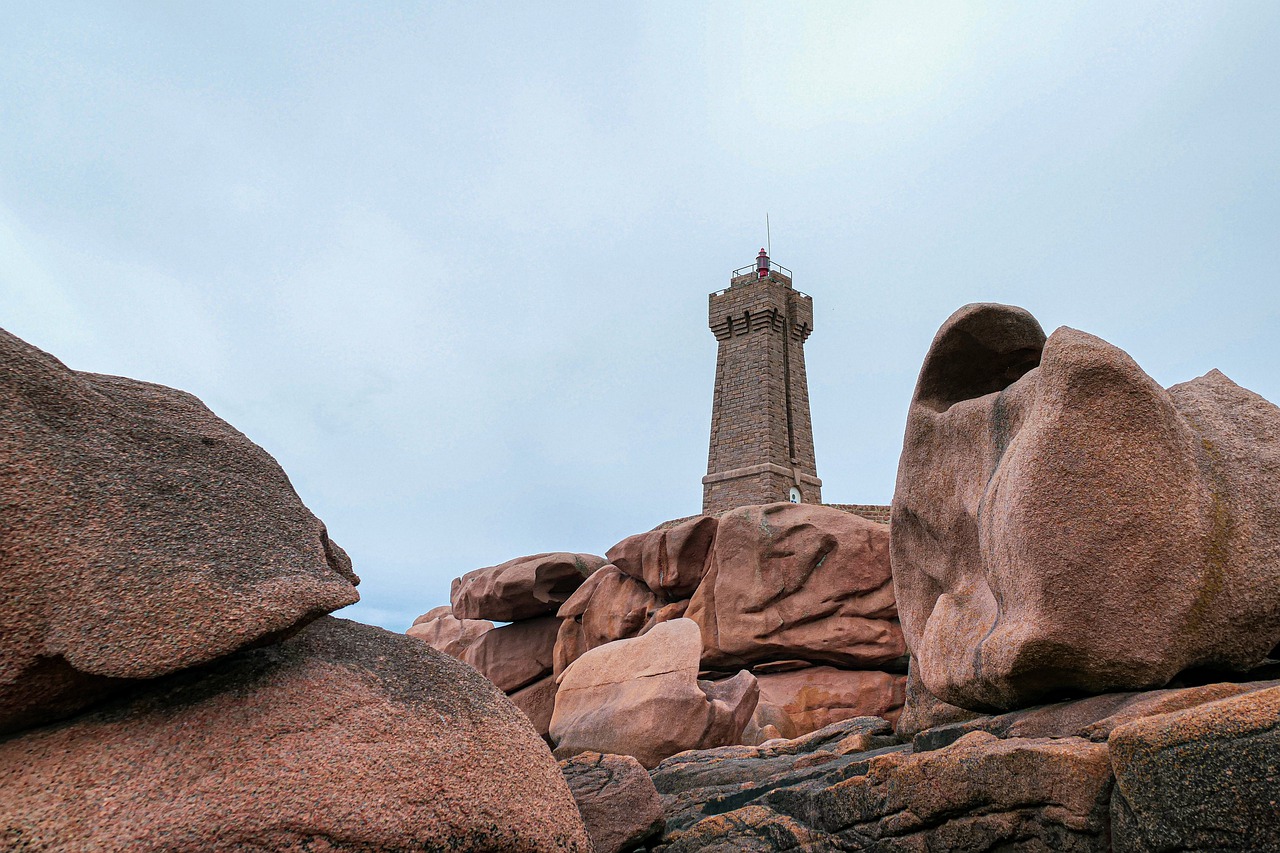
(449, 262)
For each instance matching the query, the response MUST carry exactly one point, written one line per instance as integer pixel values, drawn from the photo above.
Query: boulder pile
(768, 621)
(1088, 571)
(169, 678)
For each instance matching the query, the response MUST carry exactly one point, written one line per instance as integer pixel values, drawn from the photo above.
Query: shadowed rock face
(642, 697)
(617, 800)
(345, 737)
(1062, 523)
(805, 700)
(139, 535)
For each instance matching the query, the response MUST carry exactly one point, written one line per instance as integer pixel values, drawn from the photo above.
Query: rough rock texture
(844, 788)
(798, 581)
(343, 737)
(1127, 533)
(537, 701)
(610, 605)
(978, 794)
(616, 798)
(1092, 718)
(1204, 778)
(515, 655)
(805, 700)
(141, 535)
(444, 632)
(670, 561)
(701, 784)
(642, 697)
(922, 710)
(521, 588)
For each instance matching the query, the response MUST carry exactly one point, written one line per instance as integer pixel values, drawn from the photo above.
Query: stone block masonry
(761, 432)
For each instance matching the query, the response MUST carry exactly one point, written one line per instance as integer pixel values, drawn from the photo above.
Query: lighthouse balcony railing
(750, 268)
(743, 272)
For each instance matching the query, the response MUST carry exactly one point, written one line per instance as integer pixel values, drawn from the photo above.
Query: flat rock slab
(343, 737)
(142, 535)
(1092, 718)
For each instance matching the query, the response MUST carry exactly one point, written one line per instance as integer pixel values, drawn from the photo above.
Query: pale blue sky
(448, 262)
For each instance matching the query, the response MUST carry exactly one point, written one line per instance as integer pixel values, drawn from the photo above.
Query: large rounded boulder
(1063, 524)
(345, 737)
(797, 581)
(141, 535)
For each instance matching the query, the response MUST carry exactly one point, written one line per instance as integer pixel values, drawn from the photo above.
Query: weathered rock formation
(442, 631)
(1062, 524)
(521, 588)
(516, 655)
(265, 749)
(616, 798)
(610, 605)
(772, 588)
(141, 535)
(1191, 769)
(790, 581)
(800, 701)
(168, 678)
(642, 697)
(671, 561)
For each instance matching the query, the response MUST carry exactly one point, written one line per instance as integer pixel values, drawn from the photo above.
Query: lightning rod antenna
(768, 236)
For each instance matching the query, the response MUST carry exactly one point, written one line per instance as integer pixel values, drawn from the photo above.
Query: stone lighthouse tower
(761, 434)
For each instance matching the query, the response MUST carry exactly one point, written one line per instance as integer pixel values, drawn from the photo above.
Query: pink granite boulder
(609, 606)
(537, 701)
(805, 700)
(441, 630)
(798, 581)
(521, 588)
(345, 737)
(670, 561)
(141, 535)
(616, 798)
(513, 656)
(1063, 524)
(642, 697)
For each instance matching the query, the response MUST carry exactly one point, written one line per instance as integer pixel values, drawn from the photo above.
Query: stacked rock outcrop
(169, 679)
(518, 657)
(1063, 529)
(642, 697)
(794, 613)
